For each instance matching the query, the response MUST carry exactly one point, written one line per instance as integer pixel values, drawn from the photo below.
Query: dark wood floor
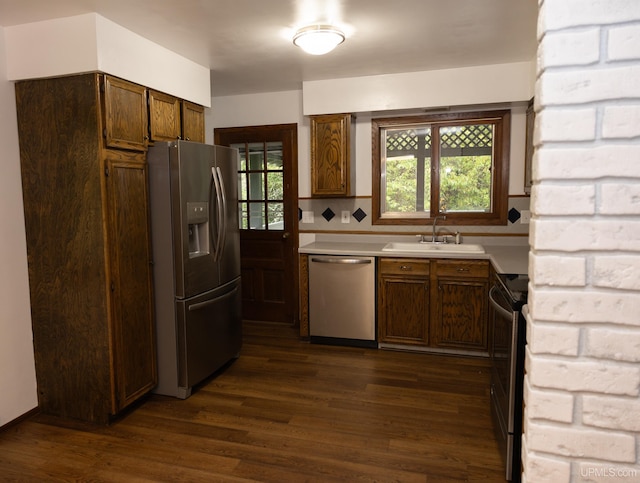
(285, 411)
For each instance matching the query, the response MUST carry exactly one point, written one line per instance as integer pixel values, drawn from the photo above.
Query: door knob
(286, 235)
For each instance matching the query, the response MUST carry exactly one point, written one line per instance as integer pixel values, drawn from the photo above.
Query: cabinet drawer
(462, 268)
(404, 266)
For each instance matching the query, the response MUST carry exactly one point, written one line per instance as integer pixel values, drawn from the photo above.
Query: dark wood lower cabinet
(434, 303)
(403, 301)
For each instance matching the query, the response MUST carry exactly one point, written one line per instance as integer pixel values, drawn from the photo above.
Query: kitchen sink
(428, 247)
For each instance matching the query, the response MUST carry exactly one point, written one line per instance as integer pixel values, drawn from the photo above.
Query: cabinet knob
(405, 267)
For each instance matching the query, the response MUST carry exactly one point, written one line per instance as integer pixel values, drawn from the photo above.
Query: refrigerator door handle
(217, 254)
(200, 305)
(223, 217)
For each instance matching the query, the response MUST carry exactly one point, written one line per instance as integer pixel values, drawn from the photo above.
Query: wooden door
(268, 193)
(130, 284)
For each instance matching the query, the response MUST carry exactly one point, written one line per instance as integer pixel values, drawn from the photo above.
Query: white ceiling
(247, 43)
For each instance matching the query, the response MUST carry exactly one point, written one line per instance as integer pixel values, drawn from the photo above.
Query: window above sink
(453, 164)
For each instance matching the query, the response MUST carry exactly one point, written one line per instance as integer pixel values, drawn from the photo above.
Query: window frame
(500, 173)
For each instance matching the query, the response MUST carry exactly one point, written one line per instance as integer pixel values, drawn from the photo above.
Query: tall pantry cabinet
(84, 180)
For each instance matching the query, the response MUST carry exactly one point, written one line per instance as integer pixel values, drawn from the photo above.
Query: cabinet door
(403, 313)
(164, 116)
(460, 319)
(125, 114)
(331, 155)
(403, 298)
(130, 284)
(192, 122)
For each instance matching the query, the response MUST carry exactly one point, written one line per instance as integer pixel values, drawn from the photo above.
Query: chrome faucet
(435, 220)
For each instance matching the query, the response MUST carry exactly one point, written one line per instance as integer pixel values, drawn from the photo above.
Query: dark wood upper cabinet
(125, 114)
(164, 117)
(171, 118)
(192, 122)
(332, 171)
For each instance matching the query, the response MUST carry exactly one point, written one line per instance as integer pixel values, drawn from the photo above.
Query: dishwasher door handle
(352, 261)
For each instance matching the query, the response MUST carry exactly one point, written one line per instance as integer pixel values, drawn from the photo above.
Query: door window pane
(243, 216)
(242, 159)
(256, 157)
(257, 219)
(256, 186)
(242, 186)
(276, 216)
(261, 183)
(274, 155)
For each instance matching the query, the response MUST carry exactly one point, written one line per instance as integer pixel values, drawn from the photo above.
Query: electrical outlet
(346, 217)
(525, 217)
(307, 216)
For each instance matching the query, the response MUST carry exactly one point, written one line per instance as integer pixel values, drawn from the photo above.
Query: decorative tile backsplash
(327, 217)
(359, 215)
(514, 215)
(328, 214)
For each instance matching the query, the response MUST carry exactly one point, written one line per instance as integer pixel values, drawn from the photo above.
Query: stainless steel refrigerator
(196, 261)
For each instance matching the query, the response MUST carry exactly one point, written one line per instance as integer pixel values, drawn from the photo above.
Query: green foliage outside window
(402, 185)
(465, 183)
(452, 163)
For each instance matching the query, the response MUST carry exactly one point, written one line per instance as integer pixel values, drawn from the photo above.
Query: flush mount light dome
(318, 39)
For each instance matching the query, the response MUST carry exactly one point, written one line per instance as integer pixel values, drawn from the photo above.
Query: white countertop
(505, 258)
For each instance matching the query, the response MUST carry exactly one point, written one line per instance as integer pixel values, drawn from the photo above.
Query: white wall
(90, 42)
(287, 107)
(486, 84)
(17, 369)
(264, 109)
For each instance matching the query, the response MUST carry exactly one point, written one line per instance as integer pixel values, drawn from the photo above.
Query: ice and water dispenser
(198, 224)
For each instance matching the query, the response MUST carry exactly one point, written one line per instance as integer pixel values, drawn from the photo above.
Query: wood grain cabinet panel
(164, 117)
(171, 118)
(460, 301)
(403, 301)
(131, 276)
(438, 304)
(125, 114)
(331, 155)
(88, 249)
(192, 122)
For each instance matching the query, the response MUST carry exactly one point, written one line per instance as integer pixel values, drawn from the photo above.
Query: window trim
(500, 182)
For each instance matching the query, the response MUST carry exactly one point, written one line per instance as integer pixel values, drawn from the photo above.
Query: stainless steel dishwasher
(342, 294)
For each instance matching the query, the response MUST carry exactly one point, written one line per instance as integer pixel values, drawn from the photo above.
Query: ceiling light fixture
(318, 39)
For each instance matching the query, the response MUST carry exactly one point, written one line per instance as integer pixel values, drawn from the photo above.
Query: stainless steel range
(507, 296)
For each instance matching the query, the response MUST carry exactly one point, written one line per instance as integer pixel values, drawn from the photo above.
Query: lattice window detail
(473, 136)
(406, 140)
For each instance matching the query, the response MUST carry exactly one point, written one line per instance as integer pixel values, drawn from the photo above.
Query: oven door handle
(499, 308)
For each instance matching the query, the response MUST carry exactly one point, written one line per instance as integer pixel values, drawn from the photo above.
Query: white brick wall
(582, 387)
